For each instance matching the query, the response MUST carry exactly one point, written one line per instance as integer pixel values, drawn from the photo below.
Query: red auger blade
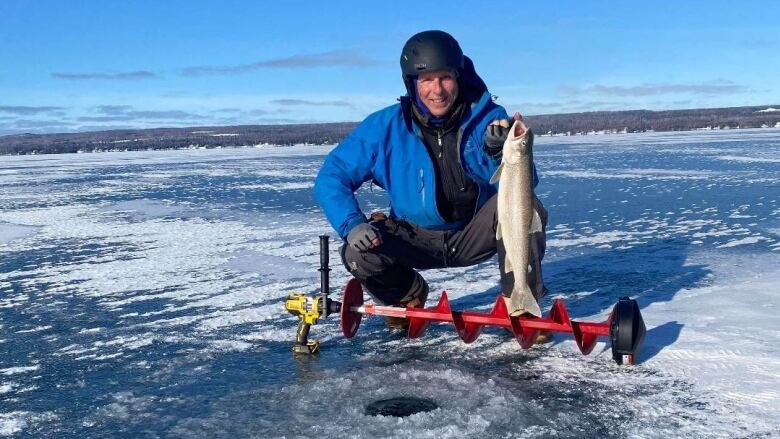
(353, 297)
(467, 331)
(418, 325)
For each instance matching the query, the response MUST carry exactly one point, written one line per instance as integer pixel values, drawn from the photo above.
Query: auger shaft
(600, 329)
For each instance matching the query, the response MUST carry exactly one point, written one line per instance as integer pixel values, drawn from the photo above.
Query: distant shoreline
(311, 145)
(570, 124)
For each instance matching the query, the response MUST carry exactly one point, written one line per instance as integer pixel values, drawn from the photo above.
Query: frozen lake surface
(141, 296)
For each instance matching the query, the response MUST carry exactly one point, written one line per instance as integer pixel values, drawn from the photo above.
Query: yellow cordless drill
(309, 309)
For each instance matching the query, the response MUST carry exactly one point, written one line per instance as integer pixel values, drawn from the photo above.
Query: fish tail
(523, 301)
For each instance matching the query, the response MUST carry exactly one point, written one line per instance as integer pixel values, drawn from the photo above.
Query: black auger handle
(324, 274)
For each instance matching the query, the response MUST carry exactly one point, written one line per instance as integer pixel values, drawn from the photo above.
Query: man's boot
(416, 298)
(542, 337)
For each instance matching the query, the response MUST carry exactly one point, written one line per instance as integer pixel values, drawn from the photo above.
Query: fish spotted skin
(517, 218)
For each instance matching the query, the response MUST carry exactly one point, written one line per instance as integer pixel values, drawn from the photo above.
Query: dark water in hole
(401, 406)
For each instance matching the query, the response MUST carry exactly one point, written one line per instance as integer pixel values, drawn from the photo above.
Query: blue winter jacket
(387, 148)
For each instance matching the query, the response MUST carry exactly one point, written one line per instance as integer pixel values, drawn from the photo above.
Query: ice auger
(625, 326)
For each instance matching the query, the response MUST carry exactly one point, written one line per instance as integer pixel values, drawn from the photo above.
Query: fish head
(516, 145)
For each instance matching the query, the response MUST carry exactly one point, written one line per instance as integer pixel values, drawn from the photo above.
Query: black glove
(495, 136)
(361, 236)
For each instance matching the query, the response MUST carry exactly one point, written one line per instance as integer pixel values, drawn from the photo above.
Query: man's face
(438, 91)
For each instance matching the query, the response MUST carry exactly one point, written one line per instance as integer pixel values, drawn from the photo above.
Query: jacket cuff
(350, 224)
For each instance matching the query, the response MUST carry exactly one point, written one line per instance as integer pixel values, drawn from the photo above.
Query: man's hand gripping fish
(517, 218)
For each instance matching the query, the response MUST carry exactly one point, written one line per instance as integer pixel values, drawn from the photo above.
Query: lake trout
(517, 218)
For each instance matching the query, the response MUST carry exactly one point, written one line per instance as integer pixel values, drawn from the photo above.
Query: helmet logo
(421, 66)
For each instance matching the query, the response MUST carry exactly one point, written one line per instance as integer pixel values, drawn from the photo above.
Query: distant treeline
(175, 138)
(638, 121)
(331, 133)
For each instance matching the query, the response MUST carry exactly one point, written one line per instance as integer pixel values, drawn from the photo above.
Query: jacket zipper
(422, 186)
(461, 183)
(441, 147)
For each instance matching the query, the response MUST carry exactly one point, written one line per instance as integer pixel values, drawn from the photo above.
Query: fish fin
(507, 265)
(498, 231)
(536, 223)
(497, 175)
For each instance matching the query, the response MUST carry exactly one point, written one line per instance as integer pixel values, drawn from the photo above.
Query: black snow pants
(388, 271)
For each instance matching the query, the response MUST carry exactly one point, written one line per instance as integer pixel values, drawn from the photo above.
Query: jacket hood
(473, 86)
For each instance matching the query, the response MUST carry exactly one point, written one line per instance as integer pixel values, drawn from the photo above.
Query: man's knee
(363, 265)
(387, 282)
(490, 210)
(542, 211)
(539, 239)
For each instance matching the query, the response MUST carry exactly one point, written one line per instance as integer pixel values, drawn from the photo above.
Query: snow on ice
(141, 295)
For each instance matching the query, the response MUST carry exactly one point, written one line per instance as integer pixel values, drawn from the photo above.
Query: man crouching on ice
(434, 154)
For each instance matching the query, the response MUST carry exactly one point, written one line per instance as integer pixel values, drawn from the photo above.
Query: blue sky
(86, 65)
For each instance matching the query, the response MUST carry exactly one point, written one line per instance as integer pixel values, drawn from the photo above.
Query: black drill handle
(302, 334)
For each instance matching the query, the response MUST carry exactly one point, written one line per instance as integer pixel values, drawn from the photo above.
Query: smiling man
(438, 90)
(434, 153)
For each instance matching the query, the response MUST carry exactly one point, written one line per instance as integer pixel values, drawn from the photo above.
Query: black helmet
(429, 51)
